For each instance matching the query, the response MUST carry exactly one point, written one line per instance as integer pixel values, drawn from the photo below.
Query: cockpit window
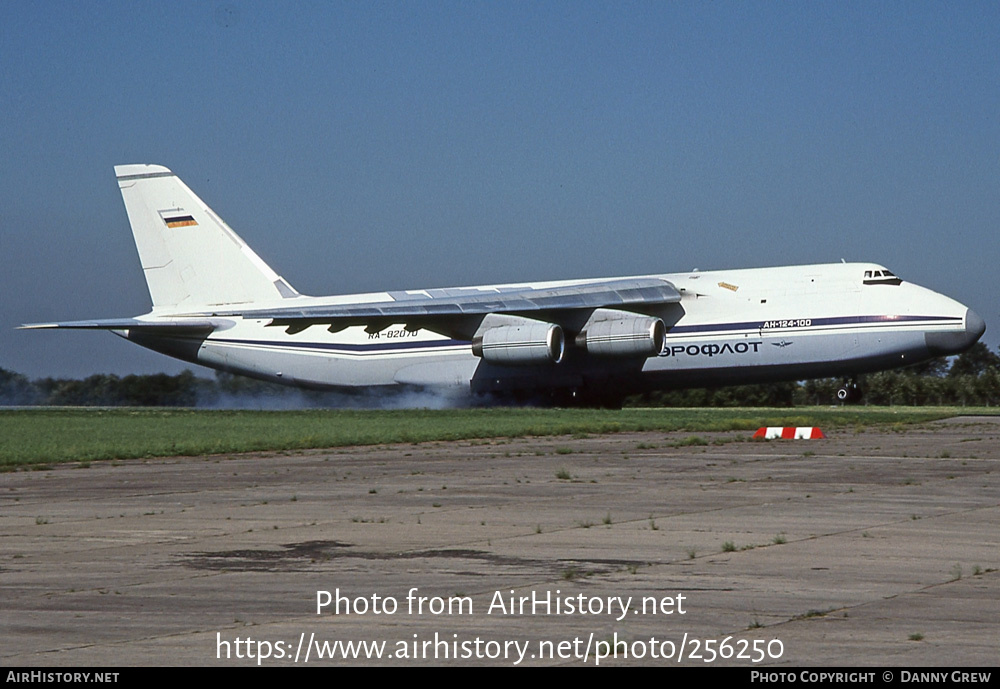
(881, 277)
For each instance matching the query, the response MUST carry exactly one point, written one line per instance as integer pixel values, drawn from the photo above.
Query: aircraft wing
(437, 309)
(625, 293)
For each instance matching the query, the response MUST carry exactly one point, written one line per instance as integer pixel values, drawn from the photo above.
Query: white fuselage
(729, 327)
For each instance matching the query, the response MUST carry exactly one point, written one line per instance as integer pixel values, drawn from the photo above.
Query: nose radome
(942, 344)
(974, 326)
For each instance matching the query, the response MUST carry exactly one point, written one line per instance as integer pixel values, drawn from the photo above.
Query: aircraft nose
(941, 344)
(974, 326)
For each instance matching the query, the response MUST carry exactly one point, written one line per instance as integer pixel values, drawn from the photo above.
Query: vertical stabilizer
(190, 257)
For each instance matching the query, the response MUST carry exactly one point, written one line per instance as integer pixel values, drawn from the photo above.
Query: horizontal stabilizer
(178, 325)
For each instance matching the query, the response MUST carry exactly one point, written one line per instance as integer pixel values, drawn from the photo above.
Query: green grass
(50, 435)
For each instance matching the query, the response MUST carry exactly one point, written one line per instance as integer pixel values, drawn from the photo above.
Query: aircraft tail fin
(190, 257)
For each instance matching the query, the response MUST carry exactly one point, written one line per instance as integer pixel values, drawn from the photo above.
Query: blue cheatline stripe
(402, 346)
(815, 322)
(372, 347)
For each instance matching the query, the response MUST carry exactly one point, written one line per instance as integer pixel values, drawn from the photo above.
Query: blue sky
(366, 146)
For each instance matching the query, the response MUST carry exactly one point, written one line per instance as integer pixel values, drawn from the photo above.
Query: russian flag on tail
(789, 432)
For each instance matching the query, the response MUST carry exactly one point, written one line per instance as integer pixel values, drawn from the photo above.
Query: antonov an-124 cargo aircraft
(216, 303)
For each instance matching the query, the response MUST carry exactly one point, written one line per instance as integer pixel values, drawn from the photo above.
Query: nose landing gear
(849, 393)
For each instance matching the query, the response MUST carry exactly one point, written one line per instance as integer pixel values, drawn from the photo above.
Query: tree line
(157, 390)
(972, 379)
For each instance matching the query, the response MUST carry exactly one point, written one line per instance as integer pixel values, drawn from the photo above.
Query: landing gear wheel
(850, 393)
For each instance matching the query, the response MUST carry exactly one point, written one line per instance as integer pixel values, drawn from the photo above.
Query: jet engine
(515, 341)
(619, 333)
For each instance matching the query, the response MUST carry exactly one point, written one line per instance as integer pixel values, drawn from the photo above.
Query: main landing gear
(577, 398)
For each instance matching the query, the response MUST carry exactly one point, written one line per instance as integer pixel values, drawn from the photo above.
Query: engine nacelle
(514, 341)
(619, 333)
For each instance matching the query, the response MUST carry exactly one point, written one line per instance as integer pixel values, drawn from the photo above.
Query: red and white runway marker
(789, 432)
